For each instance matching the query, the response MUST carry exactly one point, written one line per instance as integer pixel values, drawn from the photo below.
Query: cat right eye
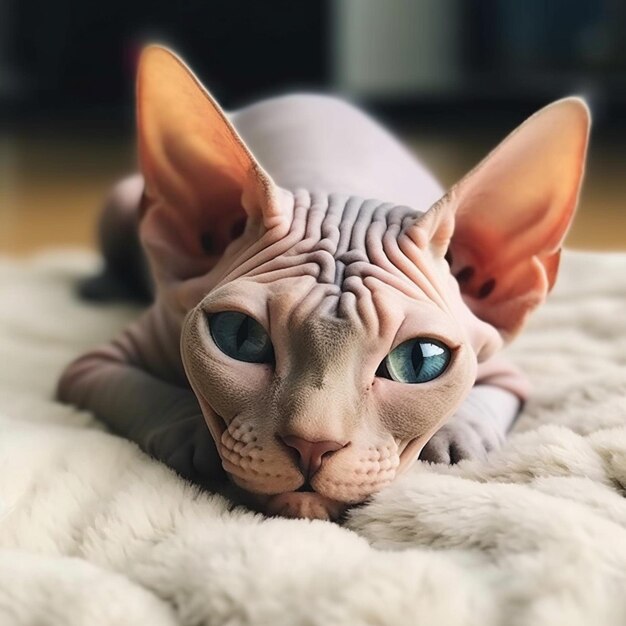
(241, 337)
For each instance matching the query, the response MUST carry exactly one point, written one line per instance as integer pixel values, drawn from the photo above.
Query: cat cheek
(231, 389)
(228, 386)
(409, 412)
(406, 412)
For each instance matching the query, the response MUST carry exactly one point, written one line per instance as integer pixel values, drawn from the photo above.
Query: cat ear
(502, 225)
(201, 179)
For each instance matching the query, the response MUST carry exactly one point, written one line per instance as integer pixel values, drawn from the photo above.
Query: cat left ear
(502, 226)
(201, 178)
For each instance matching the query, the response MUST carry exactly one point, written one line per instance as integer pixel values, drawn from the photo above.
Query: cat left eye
(416, 361)
(241, 337)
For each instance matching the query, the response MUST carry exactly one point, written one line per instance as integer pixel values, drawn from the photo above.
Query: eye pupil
(241, 337)
(417, 357)
(242, 333)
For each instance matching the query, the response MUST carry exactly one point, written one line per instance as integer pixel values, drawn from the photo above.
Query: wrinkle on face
(335, 293)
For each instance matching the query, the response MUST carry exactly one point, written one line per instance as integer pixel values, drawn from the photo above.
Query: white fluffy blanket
(94, 532)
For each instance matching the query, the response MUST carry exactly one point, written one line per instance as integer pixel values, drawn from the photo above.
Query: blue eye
(417, 361)
(241, 337)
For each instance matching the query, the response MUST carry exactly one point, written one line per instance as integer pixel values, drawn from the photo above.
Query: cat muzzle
(311, 454)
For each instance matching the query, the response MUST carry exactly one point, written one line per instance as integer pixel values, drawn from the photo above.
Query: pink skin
(337, 281)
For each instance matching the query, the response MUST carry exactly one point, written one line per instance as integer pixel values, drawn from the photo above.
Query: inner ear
(207, 242)
(202, 181)
(215, 239)
(236, 230)
(512, 213)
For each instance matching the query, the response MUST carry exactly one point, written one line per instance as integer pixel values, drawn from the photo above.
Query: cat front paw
(188, 448)
(463, 438)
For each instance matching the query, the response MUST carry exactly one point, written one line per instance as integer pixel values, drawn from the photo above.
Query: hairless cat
(323, 314)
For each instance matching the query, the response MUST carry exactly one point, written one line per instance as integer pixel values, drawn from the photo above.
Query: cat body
(322, 312)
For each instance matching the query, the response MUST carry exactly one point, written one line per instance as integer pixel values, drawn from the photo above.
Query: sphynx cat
(322, 311)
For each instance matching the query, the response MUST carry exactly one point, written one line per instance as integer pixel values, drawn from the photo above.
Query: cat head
(328, 337)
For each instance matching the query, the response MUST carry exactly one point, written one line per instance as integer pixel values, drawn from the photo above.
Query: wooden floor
(51, 185)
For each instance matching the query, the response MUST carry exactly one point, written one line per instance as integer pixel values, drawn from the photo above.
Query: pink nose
(311, 453)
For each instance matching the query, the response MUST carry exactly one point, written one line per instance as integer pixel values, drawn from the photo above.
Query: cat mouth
(306, 488)
(305, 501)
(305, 505)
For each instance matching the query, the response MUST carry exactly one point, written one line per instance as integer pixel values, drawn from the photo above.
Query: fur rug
(94, 532)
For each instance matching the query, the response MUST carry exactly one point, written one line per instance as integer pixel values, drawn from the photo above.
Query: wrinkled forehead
(338, 239)
(345, 268)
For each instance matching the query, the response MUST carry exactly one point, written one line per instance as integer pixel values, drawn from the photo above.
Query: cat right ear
(202, 182)
(504, 223)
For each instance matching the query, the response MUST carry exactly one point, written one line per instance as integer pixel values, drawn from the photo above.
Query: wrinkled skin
(272, 214)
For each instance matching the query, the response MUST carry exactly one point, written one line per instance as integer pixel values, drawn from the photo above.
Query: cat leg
(481, 423)
(163, 419)
(125, 274)
(479, 426)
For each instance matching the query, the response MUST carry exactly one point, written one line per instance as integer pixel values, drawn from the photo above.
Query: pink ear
(511, 214)
(201, 180)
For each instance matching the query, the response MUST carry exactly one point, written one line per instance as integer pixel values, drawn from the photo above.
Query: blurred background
(451, 77)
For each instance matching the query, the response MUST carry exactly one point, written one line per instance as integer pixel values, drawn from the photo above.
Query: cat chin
(307, 505)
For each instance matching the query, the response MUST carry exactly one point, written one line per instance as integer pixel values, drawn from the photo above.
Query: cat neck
(320, 142)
